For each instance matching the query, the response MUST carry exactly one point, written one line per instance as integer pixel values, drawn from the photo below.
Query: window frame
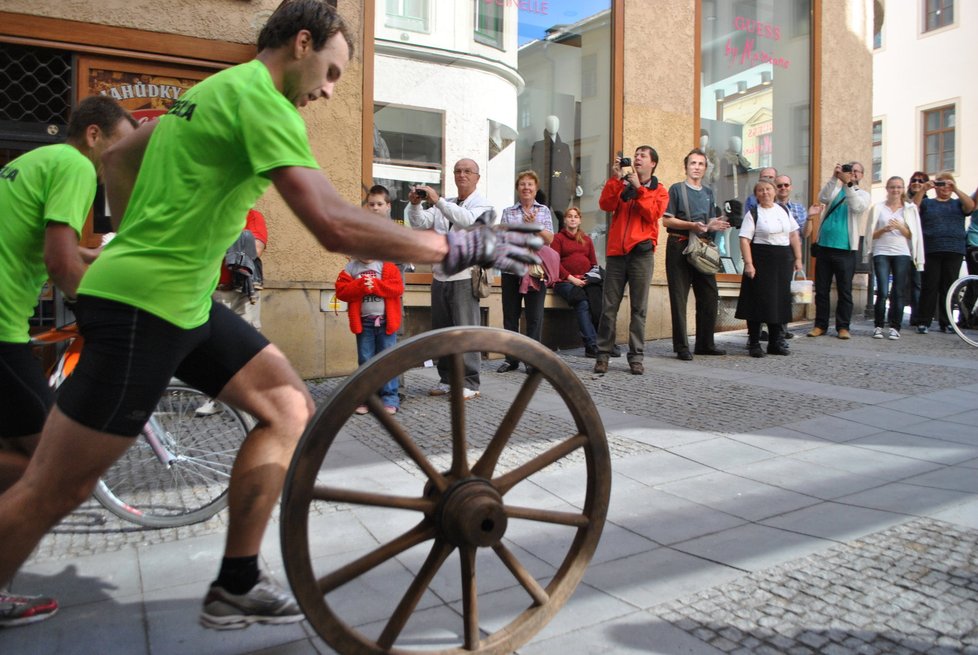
(925, 12)
(877, 173)
(400, 21)
(942, 135)
(486, 38)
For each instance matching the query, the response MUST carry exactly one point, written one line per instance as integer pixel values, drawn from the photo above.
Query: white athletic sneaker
(878, 333)
(894, 334)
(469, 394)
(266, 602)
(207, 409)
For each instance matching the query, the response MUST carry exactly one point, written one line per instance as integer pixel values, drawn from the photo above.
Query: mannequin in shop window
(551, 157)
(733, 171)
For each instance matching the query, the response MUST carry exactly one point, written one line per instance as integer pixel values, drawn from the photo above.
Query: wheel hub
(471, 513)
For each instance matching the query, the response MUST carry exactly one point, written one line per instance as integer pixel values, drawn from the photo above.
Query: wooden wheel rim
(319, 436)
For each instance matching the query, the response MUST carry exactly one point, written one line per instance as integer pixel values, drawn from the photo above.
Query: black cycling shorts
(130, 355)
(25, 396)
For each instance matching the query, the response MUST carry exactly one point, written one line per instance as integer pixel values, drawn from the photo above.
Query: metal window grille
(35, 87)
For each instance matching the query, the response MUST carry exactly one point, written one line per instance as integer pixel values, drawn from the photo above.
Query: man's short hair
(380, 190)
(694, 151)
(101, 111)
(653, 155)
(317, 16)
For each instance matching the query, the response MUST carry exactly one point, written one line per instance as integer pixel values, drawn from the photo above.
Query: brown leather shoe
(601, 366)
(637, 368)
(816, 332)
(844, 334)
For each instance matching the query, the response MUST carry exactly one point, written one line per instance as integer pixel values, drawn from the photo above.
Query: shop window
(877, 152)
(938, 14)
(755, 99)
(538, 98)
(489, 23)
(407, 14)
(939, 139)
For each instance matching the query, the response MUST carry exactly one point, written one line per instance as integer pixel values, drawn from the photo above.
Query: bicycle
(961, 303)
(176, 473)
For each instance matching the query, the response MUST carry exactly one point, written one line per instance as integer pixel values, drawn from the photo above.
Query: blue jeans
(884, 265)
(582, 307)
(374, 339)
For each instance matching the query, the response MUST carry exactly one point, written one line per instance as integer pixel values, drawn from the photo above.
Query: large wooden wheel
(448, 524)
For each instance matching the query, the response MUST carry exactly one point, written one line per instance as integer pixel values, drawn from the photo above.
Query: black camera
(847, 168)
(421, 193)
(940, 182)
(625, 162)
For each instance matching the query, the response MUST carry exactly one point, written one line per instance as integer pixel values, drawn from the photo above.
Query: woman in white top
(771, 249)
(893, 236)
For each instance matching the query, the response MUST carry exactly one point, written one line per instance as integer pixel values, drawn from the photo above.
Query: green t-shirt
(205, 165)
(52, 183)
(835, 227)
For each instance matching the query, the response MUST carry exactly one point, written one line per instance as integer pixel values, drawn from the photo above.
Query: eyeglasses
(783, 185)
(917, 180)
(465, 171)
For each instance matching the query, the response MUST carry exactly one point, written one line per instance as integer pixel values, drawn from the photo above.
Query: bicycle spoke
(416, 535)
(547, 516)
(440, 551)
(460, 462)
(338, 495)
(487, 463)
(537, 593)
(470, 597)
(507, 481)
(401, 437)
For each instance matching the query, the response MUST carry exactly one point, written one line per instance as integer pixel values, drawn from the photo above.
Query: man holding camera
(452, 302)
(837, 237)
(692, 213)
(637, 201)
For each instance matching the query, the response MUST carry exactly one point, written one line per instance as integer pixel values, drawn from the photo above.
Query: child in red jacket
(372, 291)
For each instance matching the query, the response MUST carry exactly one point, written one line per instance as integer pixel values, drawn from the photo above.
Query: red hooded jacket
(633, 220)
(389, 286)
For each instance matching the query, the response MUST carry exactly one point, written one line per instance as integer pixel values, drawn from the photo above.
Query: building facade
(923, 109)
(559, 85)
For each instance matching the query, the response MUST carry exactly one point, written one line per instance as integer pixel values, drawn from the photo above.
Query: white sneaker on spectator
(878, 333)
(894, 334)
(207, 409)
(469, 394)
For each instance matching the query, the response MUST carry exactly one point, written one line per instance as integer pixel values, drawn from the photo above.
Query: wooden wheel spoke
(487, 463)
(470, 597)
(440, 551)
(507, 481)
(355, 497)
(537, 593)
(460, 462)
(416, 535)
(547, 516)
(401, 437)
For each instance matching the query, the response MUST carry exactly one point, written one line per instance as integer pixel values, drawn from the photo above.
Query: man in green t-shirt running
(182, 187)
(45, 197)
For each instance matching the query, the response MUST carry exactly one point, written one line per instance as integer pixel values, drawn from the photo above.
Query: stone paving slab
(912, 588)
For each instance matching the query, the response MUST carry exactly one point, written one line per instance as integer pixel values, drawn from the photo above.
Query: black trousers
(680, 276)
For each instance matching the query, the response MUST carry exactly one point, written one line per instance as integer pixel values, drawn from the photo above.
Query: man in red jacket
(637, 201)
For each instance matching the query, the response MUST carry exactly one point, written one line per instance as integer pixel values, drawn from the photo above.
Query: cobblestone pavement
(825, 502)
(910, 589)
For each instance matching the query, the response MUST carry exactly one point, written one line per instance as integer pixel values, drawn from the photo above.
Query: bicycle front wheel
(962, 308)
(177, 471)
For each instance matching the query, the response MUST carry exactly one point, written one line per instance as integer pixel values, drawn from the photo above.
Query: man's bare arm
(62, 258)
(121, 165)
(342, 227)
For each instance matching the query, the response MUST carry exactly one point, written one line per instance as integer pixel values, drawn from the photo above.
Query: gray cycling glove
(509, 249)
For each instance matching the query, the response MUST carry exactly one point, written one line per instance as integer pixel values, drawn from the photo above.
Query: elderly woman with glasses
(893, 237)
(942, 222)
